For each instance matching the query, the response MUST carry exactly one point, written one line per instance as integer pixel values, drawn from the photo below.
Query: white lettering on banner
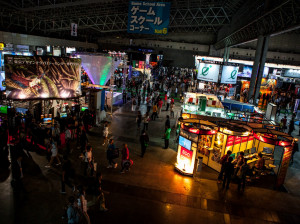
(186, 154)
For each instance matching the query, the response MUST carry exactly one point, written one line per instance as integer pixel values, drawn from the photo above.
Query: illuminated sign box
(185, 143)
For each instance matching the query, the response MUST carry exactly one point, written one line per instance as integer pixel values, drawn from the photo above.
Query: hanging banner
(73, 29)
(208, 72)
(148, 17)
(229, 74)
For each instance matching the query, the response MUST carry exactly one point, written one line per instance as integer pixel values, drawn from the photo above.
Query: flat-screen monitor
(185, 143)
(3, 109)
(233, 155)
(47, 120)
(246, 152)
(62, 115)
(267, 150)
(253, 150)
(84, 108)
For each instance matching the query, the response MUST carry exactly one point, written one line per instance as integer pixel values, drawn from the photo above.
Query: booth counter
(203, 104)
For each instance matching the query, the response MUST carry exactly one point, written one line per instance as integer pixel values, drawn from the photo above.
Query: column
(255, 66)
(225, 53)
(102, 100)
(261, 66)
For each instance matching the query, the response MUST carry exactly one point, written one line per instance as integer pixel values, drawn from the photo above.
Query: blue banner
(148, 17)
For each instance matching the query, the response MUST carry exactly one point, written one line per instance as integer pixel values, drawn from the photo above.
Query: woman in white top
(105, 133)
(82, 205)
(88, 161)
(54, 154)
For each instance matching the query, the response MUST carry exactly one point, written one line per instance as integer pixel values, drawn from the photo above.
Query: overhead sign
(73, 29)
(42, 77)
(208, 72)
(292, 73)
(148, 17)
(229, 74)
(246, 73)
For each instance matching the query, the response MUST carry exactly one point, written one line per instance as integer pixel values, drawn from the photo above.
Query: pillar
(258, 53)
(102, 99)
(225, 54)
(261, 66)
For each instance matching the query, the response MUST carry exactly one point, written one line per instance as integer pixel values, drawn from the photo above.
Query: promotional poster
(42, 77)
(229, 74)
(208, 72)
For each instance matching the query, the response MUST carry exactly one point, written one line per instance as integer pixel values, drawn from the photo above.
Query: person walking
(172, 110)
(125, 157)
(139, 120)
(167, 123)
(167, 137)
(168, 103)
(124, 94)
(82, 204)
(144, 140)
(146, 121)
(133, 106)
(110, 154)
(228, 171)
(160, 104)
(223, 160)
(68, 135)
(88, 161)
(292, 125)
(54, 154)
(72, 213)
(295, 149)
(105, 132)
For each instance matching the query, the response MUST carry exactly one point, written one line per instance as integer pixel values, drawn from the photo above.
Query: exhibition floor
(152, 192)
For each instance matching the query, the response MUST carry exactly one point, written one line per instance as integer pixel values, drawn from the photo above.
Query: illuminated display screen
(185, 143)
(47, 120)
(42, 77)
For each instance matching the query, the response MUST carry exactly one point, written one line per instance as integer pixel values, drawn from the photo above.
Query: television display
(246, 73)
(47, 120)
(3, 109)
(185, 143)
(28, 77)
(62, 115)
(84, 108)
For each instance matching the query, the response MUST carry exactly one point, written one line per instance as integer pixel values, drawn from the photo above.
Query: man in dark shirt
(167, 123)
(228, 171)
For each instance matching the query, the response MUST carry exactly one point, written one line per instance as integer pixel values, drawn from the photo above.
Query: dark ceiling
(102, 18)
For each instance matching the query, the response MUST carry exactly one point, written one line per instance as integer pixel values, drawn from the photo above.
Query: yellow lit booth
(231, 136)
(194, 134)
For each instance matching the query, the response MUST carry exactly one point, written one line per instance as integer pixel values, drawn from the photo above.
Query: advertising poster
(148, 17)
(185, 143)
(246, 73)
(208, 72)
(229, 74)
(2, 81)
(42, 77)
(186, 155)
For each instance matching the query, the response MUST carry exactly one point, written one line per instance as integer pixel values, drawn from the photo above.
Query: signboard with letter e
(208, 72)
(148, 17)
(229, 74)
(73, 29)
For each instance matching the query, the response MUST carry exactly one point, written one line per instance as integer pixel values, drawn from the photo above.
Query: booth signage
(208, 72)
(230, 141)
(1, 46)
(287, 154)
(237, 140)
(23, 48)
(229, 74)
(251, 138)
(185, 143)
(291, 73)
(42, 77)
(245, 139)
(148, 17)
(186, 154)
(246, 73)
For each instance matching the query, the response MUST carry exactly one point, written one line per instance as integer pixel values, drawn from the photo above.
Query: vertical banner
(287, 154)
(148, 17)
(73, 29)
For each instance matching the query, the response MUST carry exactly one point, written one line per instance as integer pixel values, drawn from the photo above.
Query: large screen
(42, 77)
(246, 73)
(3, 109)
(229, 74)
(208, 72)
(185, 143)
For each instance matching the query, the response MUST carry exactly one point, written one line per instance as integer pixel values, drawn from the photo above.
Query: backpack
(224, 159)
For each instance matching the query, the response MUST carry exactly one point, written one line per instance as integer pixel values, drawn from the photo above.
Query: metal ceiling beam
(280, 19)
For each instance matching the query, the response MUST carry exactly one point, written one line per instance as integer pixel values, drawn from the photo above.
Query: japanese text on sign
(148, 17)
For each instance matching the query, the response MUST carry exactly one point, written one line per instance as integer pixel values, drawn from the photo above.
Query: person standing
(295, 149)
(146, 121)
(241, 175)
(54, 154)
(144, 140)
(167, 123)
(223, 160)
(88, 161)
(228, 171)
(73, 215)
(110, 154)
(284, 121)
(133, 106)
(68, 139)
(172, 110)
(167, 137)
(168, 103)
(160, 104)
(82, 204)
(292, 125)
(154, 114)
(125, 157)
(124, 94)
(139, 120)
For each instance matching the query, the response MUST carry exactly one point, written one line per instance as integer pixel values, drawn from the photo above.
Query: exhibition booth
(202, 104)
(205, 140)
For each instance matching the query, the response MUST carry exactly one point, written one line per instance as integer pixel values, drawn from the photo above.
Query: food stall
(203, 104)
